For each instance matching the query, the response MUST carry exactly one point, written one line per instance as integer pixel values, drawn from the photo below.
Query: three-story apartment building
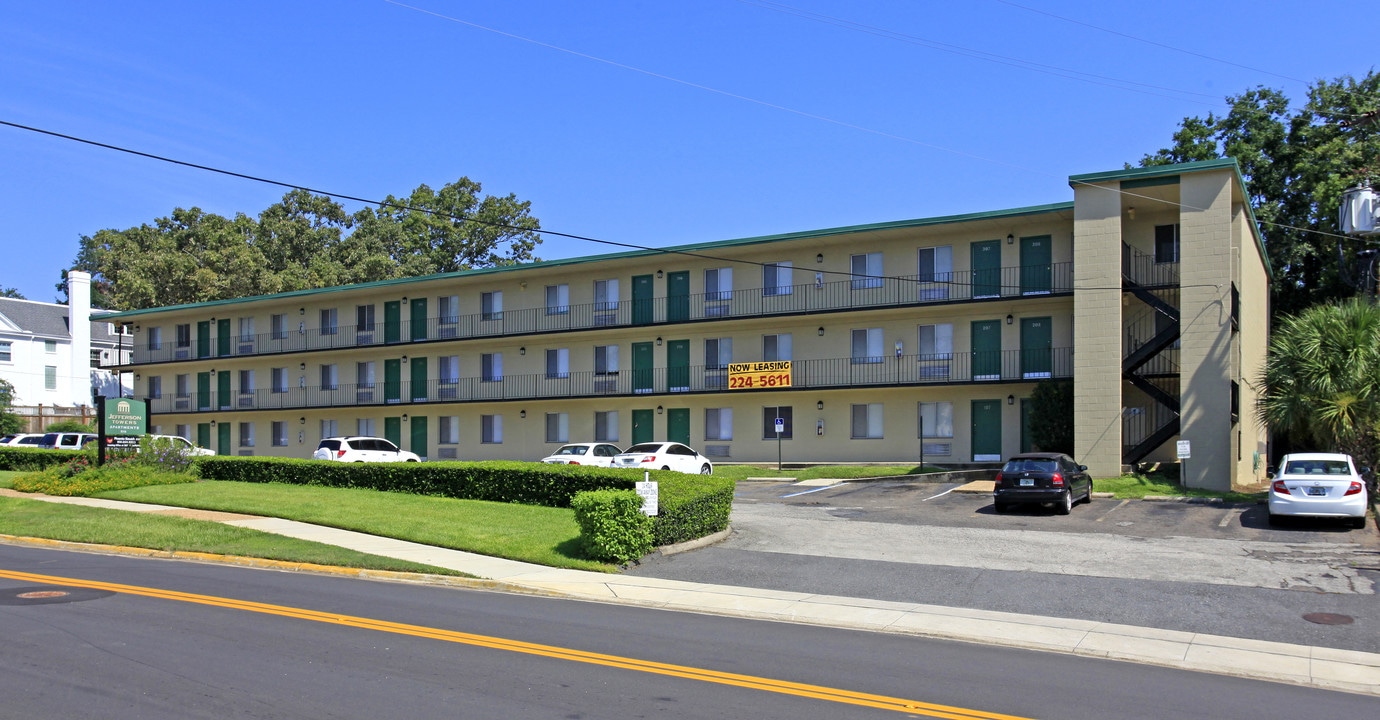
(1149, 291)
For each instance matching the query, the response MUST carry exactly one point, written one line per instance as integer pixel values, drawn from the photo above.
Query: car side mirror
(1082, 468)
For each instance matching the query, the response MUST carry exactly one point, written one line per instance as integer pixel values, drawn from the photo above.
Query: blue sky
(654, 123)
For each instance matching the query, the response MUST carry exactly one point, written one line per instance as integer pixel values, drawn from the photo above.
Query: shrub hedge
(22, 459)
(690, 506)
(87, 481)
(612, 526)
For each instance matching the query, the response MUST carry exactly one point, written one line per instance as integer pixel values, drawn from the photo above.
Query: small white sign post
(647, 489)
(1185, 451)
(780, 428)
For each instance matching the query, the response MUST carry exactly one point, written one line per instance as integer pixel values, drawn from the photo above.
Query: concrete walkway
(1298, 664)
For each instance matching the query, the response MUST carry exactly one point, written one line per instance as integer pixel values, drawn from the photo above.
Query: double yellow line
(817, 692)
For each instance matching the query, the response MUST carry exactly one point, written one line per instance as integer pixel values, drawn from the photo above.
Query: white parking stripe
(1109, 512)
(807, 492)
(946, 492)
(1231, 515)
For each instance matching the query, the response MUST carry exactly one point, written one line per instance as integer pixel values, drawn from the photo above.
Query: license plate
(1027, 482)
(1316, 491)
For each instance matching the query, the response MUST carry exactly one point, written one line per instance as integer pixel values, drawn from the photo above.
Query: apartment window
(280, 380)
(1167, 243)
(328, 322)
(184, 335)
(184, 432)
(448, 307)
(718, 290)
(246, 434)
(867, 270)
(364, 375)
(558, 299)
(776, 347)
(155, 338)
(50, 377)
(867, 421)
(606, 294)
(491, 429)
(776, 279)
(557, 363)
(557, 427)
(936, 342)
(364, 426)
(183, 386)
(936, 420)
(364, 318)
(606, 426)
(718, 424)
(280, 433)
(246, 382)
(95, 359)
(50, 347)
(246, 329)
(867, 346)
(492, 367)
(448, 372)
(330, 428)
(277, 326)
(935, 272)
(491, 305)
(769, 416)
(155, 389)
(6, 349)
(718, 353)
(606, 360)
(448, 430)
(330, 377)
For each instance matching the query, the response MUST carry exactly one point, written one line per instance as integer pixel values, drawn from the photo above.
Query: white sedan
(1322, 485)
(664, 456)
(597, 454)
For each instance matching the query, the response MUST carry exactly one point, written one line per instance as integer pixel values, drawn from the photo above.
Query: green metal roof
(693, 248)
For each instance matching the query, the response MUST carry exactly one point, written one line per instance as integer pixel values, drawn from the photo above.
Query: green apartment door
(678, 296)
(392, 321)
(203, 339)
(418, 320)
(678, 366)
(392, 430)
(986, 430)
(223, 338)
(419, 389)
(223, 439)
(1036, 348)
(986, 263)
(392, 381)
(642, 428)
(203, 394)
(418, 435)
(223, 390)
(986, 350)
(643, 308)
(678, 425)
(203, 435)
(643, 375)
(1036, 269)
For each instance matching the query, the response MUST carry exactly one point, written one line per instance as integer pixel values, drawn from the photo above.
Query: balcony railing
(1143, 270)
(906, 370)
(850, 294)
(1139, 331)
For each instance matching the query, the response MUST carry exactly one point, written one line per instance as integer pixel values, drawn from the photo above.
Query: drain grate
(1329, 619)
(49, 595)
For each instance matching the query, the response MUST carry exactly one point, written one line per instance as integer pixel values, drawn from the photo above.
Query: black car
(1042, 478)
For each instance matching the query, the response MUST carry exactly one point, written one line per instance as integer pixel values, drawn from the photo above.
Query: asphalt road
(1199, 568)
(327, 650)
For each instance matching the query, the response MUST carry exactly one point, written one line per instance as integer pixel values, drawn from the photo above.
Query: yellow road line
(751, 682)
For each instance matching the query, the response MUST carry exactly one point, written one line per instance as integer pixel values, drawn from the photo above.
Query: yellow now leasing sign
(745, 376)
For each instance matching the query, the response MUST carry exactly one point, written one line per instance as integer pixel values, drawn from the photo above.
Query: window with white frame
(364, 318)
(558, 299)
(330, 377)
(246, 382)
(776, 279)
(867, 346)
(606, 295)
(718, 424)
(246, 329)
(50, 347)
(277, 326)
(448, 430)
(606, 426)
(491, 429)
(557, 427)
(718, 291)
(280, 433)
(769, 416)
(867, 421)
(448, 376)
(330, 428)
(448, 312)
(155, 387)
(364, 426)
(246, 434)
(776, 347)
(364, 375)
(280, 380)
(155, 338)
(718, 353)
(557, 363)
(935, 427)
(492, 367)
(934, 349)
(491, 305)
(866, 270)
(6, 351)
(935, 272)
(183, 385)
(185, 432)
(184, 335)
(606, 360)
(329, 321)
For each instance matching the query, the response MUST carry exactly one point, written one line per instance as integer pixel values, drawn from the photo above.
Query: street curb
(695, 544)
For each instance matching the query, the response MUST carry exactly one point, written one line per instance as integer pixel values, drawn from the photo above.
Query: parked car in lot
(597, 454)
(183, 444)
(1042, 478)
(21, 440)
(664, 456)
(66, 440)
(1318, 485)
(362, 449)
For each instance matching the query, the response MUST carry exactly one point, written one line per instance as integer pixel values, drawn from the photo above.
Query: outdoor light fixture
(819, 405)
(213, 423)
(821, 332)
(301, 311)
(659, 410)
(136, 376)
(301, 366)
(136, 328)
(404, 358)
(1131, 213)
(660, 274)
(658, 342)
(1010, 238)
(522, 414)
(819, 257)
(1010, 399)
(1010, 319)
(301, 421)
(522, 350)
(404, 417)
(522, 285)
(404, 298)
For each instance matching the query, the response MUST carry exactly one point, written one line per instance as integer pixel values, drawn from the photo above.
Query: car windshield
(1317, 467)
(572, 450)
(644, 448)
(1031, 465)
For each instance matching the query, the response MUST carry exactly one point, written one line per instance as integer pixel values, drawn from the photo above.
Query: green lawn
(6, 476)
(842, 472)
(1138, 486)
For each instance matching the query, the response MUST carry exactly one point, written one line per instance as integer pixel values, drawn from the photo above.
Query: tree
(1321, 382)
(9, 421)
(1296, 164)
(1051, 416)
(304, 241)
(10, 292)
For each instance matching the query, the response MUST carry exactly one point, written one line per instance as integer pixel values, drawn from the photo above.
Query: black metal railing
(905, 370)
(851, 294)
(1143, 270)
(1142, 330)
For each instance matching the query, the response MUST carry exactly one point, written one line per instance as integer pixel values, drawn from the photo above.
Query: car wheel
(1088, 497)
(1000, 507)
(1359, 523)
(706, 470)
(665, 467)
(1065, 503)
(1276, 520)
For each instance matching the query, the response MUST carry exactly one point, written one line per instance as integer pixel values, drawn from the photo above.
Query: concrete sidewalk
(1298, 664)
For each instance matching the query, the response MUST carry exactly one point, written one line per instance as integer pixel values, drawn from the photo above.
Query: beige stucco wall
(1097, 329)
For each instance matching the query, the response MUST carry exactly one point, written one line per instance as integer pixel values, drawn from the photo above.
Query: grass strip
(1139, 486)
(73, 523)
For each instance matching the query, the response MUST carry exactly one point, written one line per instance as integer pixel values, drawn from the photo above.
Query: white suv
(183, 444)
(362, 449)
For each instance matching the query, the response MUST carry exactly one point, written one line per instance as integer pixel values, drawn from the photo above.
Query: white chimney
(79, 325)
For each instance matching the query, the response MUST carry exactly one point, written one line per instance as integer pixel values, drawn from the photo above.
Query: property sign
(1183, 447)
(746, 376)
(650, 496)
(124, 416)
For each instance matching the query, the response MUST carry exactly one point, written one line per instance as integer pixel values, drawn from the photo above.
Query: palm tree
(1322, 380)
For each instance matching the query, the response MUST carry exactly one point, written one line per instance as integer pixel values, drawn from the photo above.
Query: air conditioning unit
(246, 349)
(364, 339)
(246, 401)
(183, 404)
(182, 354)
